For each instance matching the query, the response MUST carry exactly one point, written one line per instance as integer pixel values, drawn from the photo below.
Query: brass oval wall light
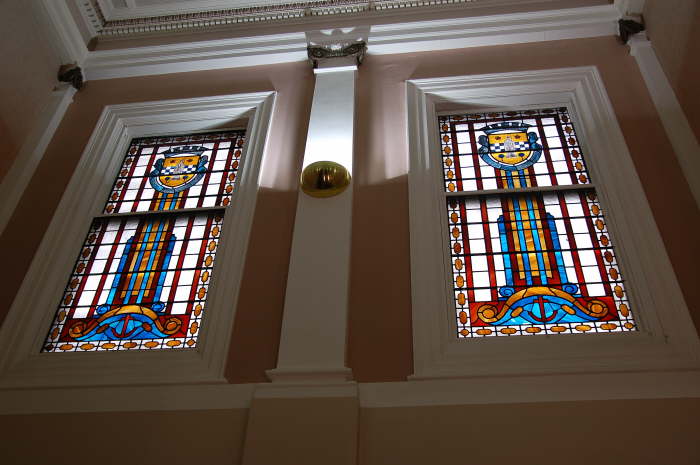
(325, 179)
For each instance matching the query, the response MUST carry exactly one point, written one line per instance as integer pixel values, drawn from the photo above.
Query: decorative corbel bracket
(72, 74)
(629, 27)
(319, 53)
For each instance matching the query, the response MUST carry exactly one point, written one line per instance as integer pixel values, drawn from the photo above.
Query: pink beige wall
(207, 437)
(257, 328)
(320, 432)
(380, 309)
(29, 69)
(672, 27)
(323, 22)
(635, 432)
(380, 326)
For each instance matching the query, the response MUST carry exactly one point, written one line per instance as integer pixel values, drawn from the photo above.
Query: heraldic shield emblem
(508, 146)
(180, 169)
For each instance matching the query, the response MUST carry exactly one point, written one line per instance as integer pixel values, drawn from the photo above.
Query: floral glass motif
(532, 262)
(141, 280)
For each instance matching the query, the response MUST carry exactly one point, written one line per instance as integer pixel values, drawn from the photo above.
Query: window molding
(23, 332)
(666, 340)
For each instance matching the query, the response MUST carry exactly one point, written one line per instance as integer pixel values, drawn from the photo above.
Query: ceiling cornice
(397, 36)
(113, 24)
(403, 37)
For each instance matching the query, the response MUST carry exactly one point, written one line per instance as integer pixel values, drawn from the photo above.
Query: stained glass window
(155, 169)
(142, 275)
(540, 146)
(529, 246)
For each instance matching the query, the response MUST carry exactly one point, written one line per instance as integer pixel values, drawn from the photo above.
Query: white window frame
(666, 339)
(24, 330)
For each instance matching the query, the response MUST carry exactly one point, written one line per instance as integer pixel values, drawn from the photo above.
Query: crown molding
(514, 28)
(223, 8)
(91, 16)
(108, 21)
(64, 35)
(113, 22)
(581, 387)
(196, 56)
(403, 37)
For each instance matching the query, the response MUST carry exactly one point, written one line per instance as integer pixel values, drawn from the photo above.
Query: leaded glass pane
(174, 172)
(139, 283)
(141, 280)
(536, 263)
(538, 147)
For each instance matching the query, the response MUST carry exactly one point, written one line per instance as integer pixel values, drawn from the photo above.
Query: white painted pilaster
(65, 38)
(630, 7)
(32, 151)
(313, 340)
(683, 140)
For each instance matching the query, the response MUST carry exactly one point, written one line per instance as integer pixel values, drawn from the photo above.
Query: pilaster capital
(331, 53)
(628, 28)
(71, 74)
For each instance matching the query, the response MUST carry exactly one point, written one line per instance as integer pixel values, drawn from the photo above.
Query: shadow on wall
(379, 328)
(256, 332)
(8, 150)
(687, 87)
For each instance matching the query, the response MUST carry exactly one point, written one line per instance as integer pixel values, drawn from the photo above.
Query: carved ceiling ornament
(248, 15)
(629, 27)
(71, 74)
(318, 53)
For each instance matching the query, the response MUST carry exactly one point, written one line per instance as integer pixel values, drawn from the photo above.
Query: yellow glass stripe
(516, 181)
(516, 241)
(159, 250)
(146, 258)
(529, 238)
(133, 263)
(540, 232)
(504, 178)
